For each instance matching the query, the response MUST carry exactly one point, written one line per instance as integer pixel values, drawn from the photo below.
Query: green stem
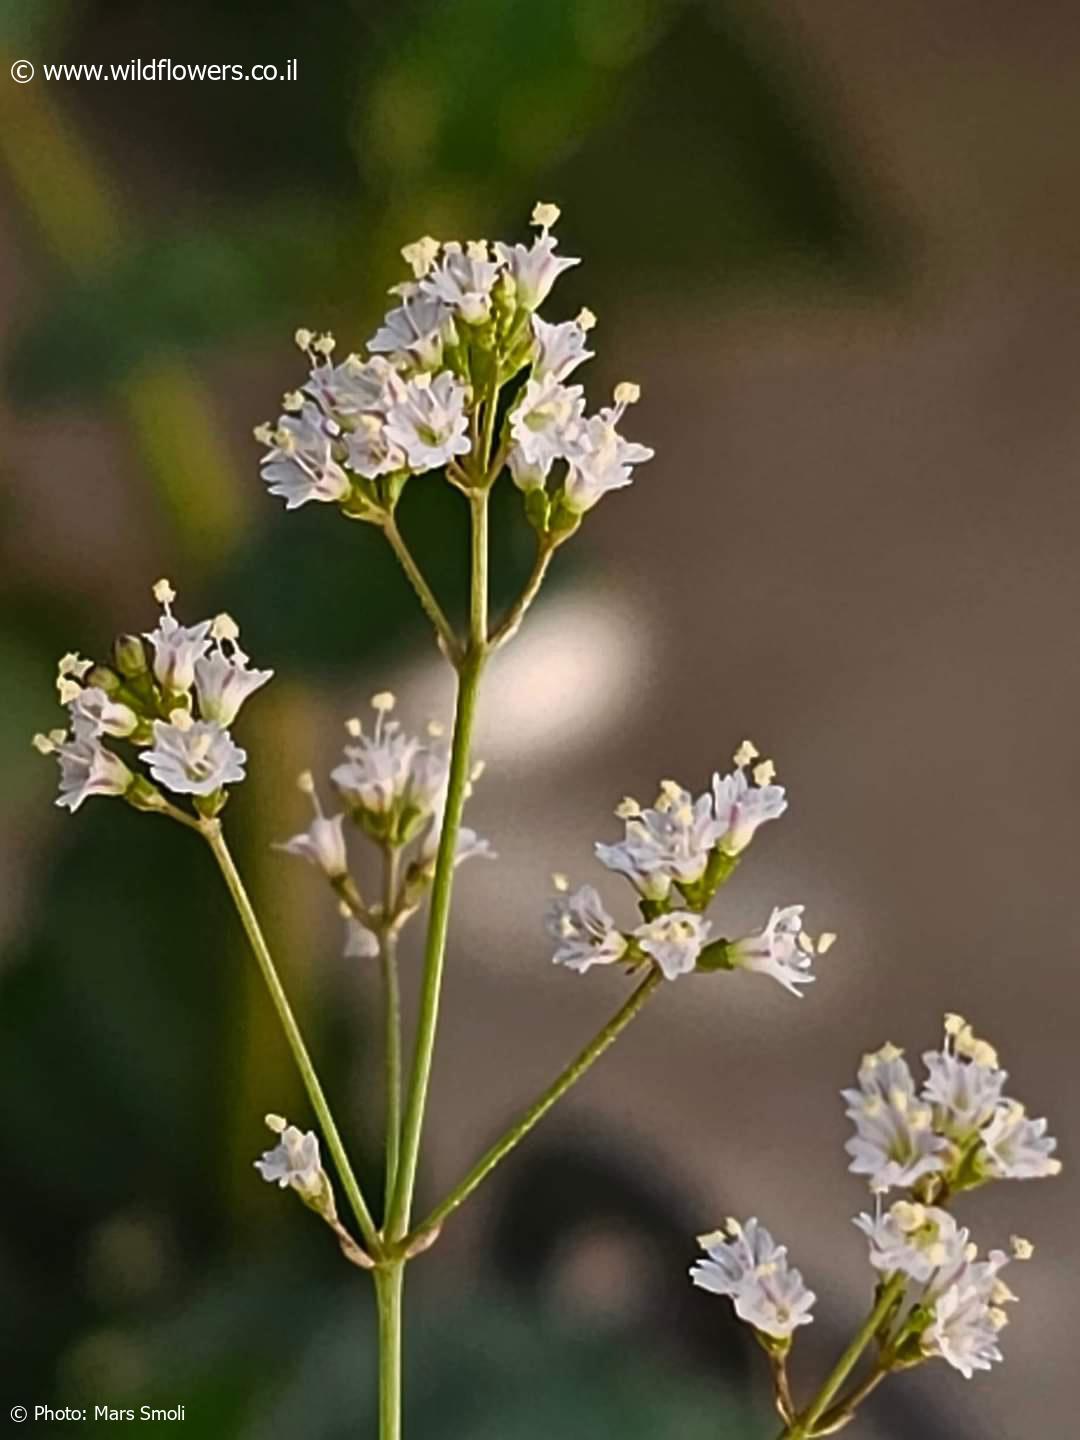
(803, 1428)
(432, 609)
(478, 592)
(435, 949)
(211, 829)
(388, 1295)
(536, 1112)
(840, 1414)
(392, 1022)
(511, 624)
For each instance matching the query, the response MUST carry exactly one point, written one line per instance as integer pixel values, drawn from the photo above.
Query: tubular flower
(584, 932)
(894, 1143)
(746, 1264)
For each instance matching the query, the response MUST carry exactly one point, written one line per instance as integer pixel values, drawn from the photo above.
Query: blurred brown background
(839, 246)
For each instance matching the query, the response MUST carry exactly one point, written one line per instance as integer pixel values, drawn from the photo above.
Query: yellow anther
(292, 400)
(304, 338)
(746, 753)
(420, 255)
(561, 882)
(384, 701)
(225, 627)
(276, 1123)
(627, 808)
(1022, 1249)
(765, 773)
(712, 1239)
(585, 318)
(354, 727)
(545, 214)
(163, 592)
(305, 782)
(627, 393)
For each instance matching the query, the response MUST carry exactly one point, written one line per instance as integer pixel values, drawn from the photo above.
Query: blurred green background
(729, 171)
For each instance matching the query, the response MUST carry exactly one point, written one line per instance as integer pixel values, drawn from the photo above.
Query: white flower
(777, 950)
(355, 387)
(674, 941)
(964, 1093)
(176, 646)
(419, 326)
(429, 421)
(600, 459)
(370, 452)
(917, 1240)
(389, 773)
(463, 281)
(323, 842)
(584, 930)
(360, 942)
(94, 714)
(534, 268)
(195, 758)
(222, 678)
(671, 841)
(525, 475)
(300, 466)
(748, 1266)
(740, 808)
(1017, 1148)
(86, 767)
(894, 1142)
(968, 1315)
(560, 349)
(294, 1162)
(545, 420)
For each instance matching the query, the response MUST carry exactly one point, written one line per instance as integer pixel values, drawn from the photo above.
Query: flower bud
(129, 656)
(105, 679)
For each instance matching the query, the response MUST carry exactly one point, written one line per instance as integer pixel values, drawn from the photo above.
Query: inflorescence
(956, 1132)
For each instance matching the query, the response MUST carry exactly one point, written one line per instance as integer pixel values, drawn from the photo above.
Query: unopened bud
(105, 679)
(129, 656)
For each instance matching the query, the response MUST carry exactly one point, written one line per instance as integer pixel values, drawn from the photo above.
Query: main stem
(536, 1112)
(211, 829)
(388, 1287)
(392, 1024)
(469, 673)
(803, 1427)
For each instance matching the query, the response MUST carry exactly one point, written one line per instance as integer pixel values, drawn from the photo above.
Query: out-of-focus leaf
(185, 289)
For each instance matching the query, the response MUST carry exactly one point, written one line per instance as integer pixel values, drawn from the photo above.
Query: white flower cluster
(956, 1307)
(177, 701)
(469, 311)
(676, 854)
(746, 1264)
(393, 786)
(959, 1126)
(936, 1296)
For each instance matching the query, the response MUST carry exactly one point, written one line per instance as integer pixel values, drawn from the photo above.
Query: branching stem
(215, 838)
